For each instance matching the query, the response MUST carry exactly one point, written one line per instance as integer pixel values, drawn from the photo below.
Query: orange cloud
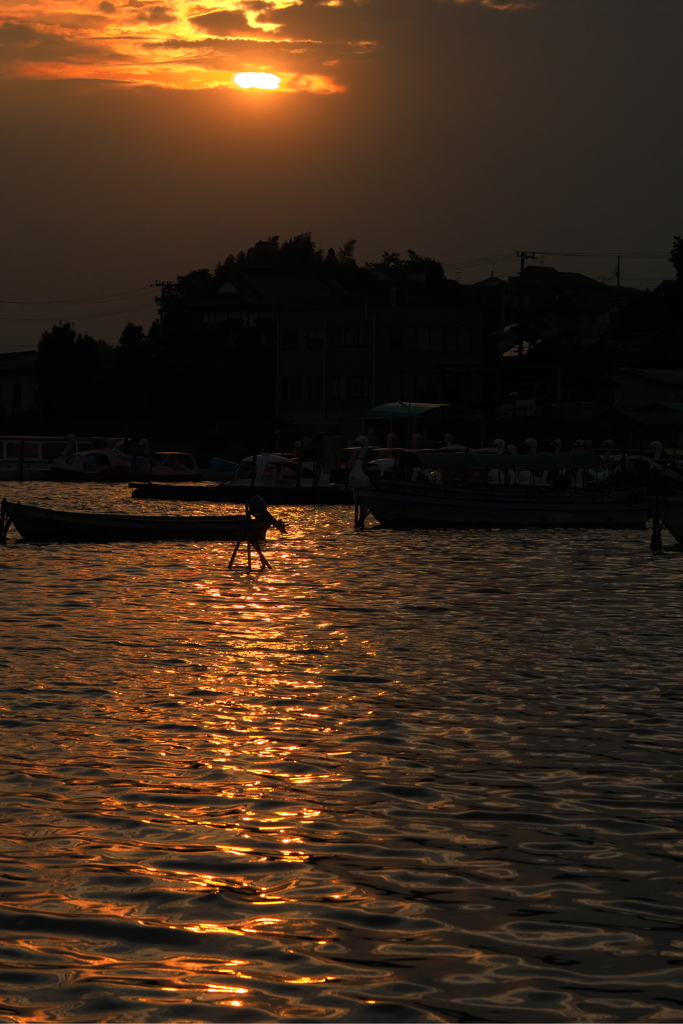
(129, 40)
(199, 44)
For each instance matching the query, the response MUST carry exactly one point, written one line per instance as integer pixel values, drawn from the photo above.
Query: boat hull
(43, 525)
(427, 508)
(238, 495)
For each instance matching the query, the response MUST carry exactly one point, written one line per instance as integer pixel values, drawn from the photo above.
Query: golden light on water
(256, 80)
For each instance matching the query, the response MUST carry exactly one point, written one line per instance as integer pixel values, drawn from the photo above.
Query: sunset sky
(462, 129)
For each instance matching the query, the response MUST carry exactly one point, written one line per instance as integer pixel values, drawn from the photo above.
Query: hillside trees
(73, 377)
(178, 373)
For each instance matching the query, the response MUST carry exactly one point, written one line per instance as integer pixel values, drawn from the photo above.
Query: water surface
(401, 777)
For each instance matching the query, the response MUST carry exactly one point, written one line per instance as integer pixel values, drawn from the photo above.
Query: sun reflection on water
(361, 774)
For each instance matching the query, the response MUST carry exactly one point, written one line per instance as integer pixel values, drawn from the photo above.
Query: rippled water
(401, 777)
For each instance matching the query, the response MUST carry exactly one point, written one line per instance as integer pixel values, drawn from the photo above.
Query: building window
(291, 387)
(337, 387)
(417, 387)
(423, 339)
(214, 316)
(314, 337)
(464, 342)
(430, 339)
(360, 387)
(457, 385)
(349, 337)
(301, 388)
(16, 396)
(313, 387)
(289, 338)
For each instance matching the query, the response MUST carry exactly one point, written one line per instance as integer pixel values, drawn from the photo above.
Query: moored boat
(277, 478)
(466, 490)
(225, 493)
(104, 464)
(174, 466)
(34, 523)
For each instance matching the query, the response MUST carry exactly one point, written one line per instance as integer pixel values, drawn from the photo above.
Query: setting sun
(256, 80)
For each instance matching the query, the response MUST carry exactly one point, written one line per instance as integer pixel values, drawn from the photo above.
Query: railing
(19, 452)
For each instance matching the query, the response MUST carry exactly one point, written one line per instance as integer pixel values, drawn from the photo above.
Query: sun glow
(256, 80)
(177, 44)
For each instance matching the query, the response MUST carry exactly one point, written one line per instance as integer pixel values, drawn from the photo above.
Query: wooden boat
(44, 524)
(277, 478)
(469, 490)
(229, 494)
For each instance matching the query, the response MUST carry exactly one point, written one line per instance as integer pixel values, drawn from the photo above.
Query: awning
(402, 410)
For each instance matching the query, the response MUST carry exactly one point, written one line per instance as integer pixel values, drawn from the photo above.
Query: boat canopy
(541, 461)
(401, 410)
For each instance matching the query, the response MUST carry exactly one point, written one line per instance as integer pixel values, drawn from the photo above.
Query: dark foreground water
(401, 777)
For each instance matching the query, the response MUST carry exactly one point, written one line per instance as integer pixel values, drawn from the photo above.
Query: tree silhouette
(676, 256)
(74, 380)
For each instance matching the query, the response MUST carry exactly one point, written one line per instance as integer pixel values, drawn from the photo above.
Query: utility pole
(523, 257)
(163, 285)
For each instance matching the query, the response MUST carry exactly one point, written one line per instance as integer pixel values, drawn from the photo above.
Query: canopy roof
(463, 460)
(402, 410)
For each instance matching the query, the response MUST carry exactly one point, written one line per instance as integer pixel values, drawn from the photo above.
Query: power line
(501, 257)
(612, 255)
(496, 258)
(62, 302)
(75, 316)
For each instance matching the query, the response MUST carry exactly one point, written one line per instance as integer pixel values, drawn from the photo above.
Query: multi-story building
(335, 363)
(325, 356)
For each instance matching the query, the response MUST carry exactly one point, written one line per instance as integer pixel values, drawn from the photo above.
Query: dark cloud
(278, 54)
(257, 5)
(154, 14)
(107, 7)
(21, 43)
(221, 23)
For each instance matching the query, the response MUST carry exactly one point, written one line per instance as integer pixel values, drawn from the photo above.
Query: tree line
(171, 381)
(185, 388)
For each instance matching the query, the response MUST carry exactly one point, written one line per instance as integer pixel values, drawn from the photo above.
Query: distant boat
(105, 464)
(279, 479)
(271, 471)
(229, 494)
(44, 524)
(174, 466)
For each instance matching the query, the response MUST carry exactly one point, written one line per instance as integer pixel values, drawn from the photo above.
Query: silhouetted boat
(44, 524)
(174, 466)
(482, 490)
(103, 464)
(225, 493)
(274, 477)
